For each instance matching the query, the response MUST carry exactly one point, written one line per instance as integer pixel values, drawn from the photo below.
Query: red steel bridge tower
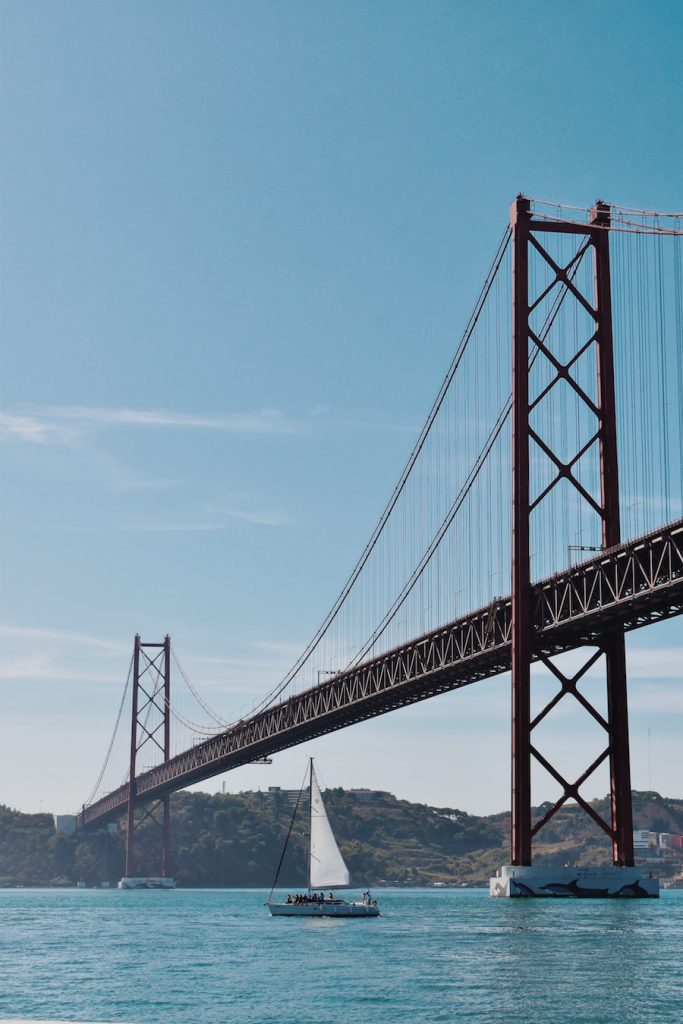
(150, 731)
(529, 236)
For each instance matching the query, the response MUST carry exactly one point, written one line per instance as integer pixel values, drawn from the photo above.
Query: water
(217, 957)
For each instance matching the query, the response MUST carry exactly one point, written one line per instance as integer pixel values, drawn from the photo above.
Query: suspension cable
(113, 737)
(457, 358)
(212, 714)
(484, 452)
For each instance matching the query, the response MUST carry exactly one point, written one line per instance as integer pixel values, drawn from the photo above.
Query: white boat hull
(328, 908)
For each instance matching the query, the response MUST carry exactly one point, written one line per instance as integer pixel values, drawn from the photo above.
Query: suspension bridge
(538, 513)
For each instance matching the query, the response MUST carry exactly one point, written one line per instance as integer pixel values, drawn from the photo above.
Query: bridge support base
(581, 883)
(160, 882)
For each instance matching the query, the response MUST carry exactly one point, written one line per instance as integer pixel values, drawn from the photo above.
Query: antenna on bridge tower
(150, 714)
(528, 344)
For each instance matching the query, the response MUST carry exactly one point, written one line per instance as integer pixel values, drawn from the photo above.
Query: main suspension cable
(113, 737)
(472, 476)
(455, 362)
(205, 707)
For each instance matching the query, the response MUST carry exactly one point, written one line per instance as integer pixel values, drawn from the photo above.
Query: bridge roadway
(626, 587)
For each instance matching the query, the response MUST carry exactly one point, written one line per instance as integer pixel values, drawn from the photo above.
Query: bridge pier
(578, 883)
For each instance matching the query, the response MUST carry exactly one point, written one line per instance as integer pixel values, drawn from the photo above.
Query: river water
(216, 956)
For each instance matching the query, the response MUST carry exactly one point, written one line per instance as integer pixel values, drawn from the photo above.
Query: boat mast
(310, 820)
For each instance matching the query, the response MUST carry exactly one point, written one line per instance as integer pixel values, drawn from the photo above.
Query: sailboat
(326, 870)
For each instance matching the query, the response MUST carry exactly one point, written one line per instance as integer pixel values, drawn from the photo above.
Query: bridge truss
(633, 585)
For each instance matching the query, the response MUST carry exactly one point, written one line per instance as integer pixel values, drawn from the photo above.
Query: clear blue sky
(239, 243)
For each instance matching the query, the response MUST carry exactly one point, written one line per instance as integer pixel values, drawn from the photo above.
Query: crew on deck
(311, 897)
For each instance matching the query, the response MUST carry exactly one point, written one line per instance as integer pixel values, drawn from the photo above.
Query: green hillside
(236, 840)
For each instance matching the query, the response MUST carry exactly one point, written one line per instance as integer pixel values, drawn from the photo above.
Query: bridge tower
(529, 235)
(150, 730)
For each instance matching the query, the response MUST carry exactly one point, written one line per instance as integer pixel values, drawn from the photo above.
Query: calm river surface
(214, 956)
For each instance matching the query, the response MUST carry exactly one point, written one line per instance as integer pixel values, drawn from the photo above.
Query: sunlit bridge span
(538, 513)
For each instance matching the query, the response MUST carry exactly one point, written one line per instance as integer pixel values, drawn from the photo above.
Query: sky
(240, 242)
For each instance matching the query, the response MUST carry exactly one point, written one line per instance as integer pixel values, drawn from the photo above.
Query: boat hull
(328, 908)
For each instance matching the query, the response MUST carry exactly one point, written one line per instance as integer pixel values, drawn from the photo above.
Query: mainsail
(327, 868)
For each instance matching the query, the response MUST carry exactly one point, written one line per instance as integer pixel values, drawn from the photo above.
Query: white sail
(327, 869)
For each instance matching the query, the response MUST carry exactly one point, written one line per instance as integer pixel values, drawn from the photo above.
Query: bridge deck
(629, 586)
